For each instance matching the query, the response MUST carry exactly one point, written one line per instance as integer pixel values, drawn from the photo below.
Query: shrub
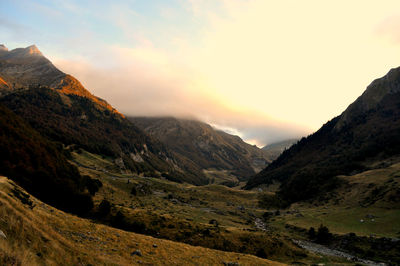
(261, 253)
(311, 233)
(323, 235)
(269, 201)
(93, 185)
(104, 208)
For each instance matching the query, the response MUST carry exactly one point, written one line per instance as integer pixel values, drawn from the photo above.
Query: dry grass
(46, 236)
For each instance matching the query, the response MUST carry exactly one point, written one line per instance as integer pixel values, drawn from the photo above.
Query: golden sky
(268, 70)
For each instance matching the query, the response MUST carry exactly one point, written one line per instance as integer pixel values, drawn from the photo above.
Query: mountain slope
(60, 108)
(25, 67)
(40, 166)
(275, 149)
(46, 236)
(362, 136)
(204, 146)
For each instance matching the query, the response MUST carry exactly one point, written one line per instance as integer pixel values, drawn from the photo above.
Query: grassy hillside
(46, 236)
(372, 196)
(363, 214)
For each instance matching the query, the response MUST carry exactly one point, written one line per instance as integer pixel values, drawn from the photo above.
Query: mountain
(25, 67)
(41, 166)
(61, 109)
(205, 146)
(275, 149)
(365, 136)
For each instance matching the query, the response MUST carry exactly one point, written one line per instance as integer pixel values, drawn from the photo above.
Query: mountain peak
(3, 48)
(33, 50)
(28, 52)
(372, 96)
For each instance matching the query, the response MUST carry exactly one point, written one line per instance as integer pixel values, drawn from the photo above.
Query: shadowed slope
(40, 165)
(367, 132)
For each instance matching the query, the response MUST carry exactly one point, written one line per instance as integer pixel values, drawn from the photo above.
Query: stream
(320, 249)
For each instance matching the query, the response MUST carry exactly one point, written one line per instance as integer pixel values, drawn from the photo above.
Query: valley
(83, 184)
(207, 216)
(238, 215)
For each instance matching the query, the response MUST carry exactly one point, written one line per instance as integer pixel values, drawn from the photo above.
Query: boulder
(2, 235)
(136, 252)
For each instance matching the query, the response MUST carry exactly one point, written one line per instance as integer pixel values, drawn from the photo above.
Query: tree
(323, 235)
(311, 233)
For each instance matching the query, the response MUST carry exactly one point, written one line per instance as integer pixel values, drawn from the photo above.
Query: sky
(265, 70)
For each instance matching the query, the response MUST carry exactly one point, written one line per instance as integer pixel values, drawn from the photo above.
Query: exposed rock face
(23, 67)
(136, 157)
(372, 96)
(2, 235)
(204, 146)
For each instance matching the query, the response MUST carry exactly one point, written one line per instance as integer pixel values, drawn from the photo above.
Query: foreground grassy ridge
(366, 205)
(43, 235)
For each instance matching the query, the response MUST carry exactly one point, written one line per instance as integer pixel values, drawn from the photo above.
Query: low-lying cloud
(139, 88)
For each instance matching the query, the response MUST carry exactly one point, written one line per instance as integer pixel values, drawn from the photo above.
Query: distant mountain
(61, 109)
(275, 149)
(364, 135)
(205, 146)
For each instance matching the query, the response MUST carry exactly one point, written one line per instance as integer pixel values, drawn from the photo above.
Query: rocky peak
(25, 67)
(372, 96)
(25, 52)
(33, 50)
(3, 48)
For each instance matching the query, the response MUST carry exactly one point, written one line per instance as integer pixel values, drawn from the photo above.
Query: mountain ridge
(366, 133)
(24, 67)
(60, 108)
(276, 148)
(205, 146)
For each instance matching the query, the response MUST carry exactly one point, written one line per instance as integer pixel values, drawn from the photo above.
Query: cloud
(389, 29)
(268, 69)
(147, 83)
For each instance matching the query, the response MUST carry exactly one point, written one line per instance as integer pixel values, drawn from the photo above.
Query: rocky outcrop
(372, 96)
